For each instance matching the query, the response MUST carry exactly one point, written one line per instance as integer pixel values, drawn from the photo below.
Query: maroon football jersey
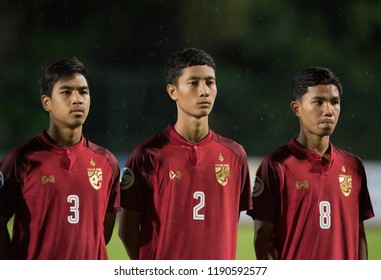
(59, 197)
(190, 195)
(316, 205)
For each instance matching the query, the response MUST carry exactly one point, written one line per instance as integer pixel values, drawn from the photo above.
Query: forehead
(330, 91)
(75, 80)
(197, 71)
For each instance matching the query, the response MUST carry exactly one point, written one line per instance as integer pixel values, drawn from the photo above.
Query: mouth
(329, 122)
(77, 110)
(204, 103)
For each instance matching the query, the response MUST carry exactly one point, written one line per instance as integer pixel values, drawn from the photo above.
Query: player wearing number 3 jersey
(310, 198)
(183, 190)
(62, 189)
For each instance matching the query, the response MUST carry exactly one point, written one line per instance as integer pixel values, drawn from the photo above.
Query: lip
(204, 103)
(327, 122)
(77, 110)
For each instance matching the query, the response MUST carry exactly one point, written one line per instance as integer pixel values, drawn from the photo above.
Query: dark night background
(258, 47)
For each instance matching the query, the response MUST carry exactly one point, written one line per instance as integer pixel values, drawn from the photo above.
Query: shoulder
(102, 152)
(345, 155)
(230, 144)
(152, 144)
(279, 154)
(23, 150)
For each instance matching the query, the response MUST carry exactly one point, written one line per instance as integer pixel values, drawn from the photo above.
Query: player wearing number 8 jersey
(62, 189)
(183, 190)
(311, 198)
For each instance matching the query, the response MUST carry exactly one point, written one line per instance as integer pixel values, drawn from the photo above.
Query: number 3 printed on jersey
(73, 200)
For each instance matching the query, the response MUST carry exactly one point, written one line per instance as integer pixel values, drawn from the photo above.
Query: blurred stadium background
(258, 46)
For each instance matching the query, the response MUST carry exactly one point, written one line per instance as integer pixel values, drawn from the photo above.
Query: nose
(77, 97)
(204, 89)
(328, 109)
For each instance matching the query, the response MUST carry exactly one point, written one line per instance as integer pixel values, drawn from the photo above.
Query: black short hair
(186, 58)
(60, 70)
(313, 76)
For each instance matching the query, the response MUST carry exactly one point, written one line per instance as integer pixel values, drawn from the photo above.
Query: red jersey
(59, 197)
(316, 205)
(190, 195)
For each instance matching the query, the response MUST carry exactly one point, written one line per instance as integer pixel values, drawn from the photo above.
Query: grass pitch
(245, 250)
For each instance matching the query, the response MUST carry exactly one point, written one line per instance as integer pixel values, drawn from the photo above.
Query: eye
(210, 83)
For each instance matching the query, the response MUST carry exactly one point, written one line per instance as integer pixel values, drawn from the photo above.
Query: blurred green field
(245, 249)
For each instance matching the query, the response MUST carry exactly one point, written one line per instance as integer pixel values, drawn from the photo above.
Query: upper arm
(5, 240)
(129, 221)
(4, 222)
(129, 232)
(264, 239)
(363, 246)
(108, 224)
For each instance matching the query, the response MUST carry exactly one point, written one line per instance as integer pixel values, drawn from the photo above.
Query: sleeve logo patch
(1, 180)
(128, 179)
(258, 187)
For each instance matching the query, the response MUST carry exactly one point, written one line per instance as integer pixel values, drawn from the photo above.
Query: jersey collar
(174, 136)
(313, 157)
(44, 138)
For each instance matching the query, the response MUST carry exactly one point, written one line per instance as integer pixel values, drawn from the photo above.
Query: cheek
(87, 101)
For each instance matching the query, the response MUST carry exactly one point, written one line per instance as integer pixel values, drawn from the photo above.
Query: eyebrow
(201, 78)
(319, 98)
(69, 87)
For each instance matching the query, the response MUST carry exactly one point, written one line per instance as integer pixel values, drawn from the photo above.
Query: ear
(295, 108)
(172, 91)
(46, 103)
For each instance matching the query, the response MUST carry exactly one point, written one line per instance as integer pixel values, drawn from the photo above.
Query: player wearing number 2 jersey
(62, 189)
(183, 190)
(311, 198)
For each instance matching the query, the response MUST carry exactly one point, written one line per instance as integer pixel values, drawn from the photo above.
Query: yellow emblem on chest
(222, 173)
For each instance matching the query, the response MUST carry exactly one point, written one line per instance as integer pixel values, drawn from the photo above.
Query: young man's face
(70, 102)
(318, 110)
(195, 91)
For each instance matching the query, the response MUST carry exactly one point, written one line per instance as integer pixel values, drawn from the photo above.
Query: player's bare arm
(5, 240)
(129, 232)
(363, 247)
(109, 225)
(263, 240)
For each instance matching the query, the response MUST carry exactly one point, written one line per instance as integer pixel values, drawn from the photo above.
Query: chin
(76, 124)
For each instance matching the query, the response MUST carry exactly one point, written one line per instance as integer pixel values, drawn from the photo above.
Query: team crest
(345, 184)
(128, 179)
(222, 173)
(1, 179)
(258, 187)
(95, 176)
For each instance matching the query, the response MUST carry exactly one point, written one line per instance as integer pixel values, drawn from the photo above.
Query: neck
(316, 144)
(193, 130)
(65, 137)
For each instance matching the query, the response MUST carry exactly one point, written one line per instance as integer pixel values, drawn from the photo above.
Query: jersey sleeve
(114, 197)
(134, 183)
(265, 194)
(365, 207)
(245, 199)
(10, 184)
